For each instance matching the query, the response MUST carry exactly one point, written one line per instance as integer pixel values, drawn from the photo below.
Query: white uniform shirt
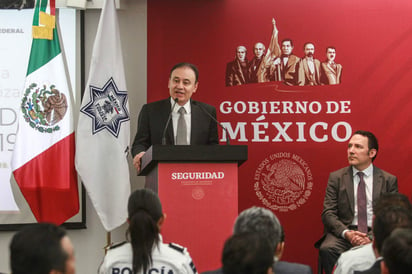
(167, 259)
(357, 258)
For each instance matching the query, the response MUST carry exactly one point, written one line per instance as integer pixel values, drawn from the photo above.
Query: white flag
(103, 132)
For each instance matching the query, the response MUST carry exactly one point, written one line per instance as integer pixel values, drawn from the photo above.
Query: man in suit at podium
(178, 119)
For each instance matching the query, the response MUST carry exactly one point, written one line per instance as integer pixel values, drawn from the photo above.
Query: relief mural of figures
(237, 70)
(278, 63)
(254, 65)
(331, 72)
(309, 67)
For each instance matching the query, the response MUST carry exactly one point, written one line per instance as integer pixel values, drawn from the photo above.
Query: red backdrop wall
(373, 40)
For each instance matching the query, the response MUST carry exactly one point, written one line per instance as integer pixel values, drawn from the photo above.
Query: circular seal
(198, 193)
(283, 181)
(43, 107)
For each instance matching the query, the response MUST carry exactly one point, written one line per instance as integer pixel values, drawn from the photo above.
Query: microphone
(168, 121)
(214, 119)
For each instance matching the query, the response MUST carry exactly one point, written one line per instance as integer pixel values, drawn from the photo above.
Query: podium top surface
(192, 153)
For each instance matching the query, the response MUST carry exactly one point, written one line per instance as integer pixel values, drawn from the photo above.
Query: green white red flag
(43, 156)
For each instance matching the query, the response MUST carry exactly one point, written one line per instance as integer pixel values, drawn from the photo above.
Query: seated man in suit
(192, 117)
(350, 192)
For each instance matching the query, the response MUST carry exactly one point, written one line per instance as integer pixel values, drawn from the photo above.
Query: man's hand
(357, 238)
(136, 161)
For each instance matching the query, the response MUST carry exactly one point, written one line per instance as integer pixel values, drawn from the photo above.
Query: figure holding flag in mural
(43, 157)
(268, 69)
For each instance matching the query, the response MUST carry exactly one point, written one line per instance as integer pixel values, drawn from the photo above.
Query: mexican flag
(43, 156)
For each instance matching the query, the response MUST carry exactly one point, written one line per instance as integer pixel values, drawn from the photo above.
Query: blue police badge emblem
(107, 108)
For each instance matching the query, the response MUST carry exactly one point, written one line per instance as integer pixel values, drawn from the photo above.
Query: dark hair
(391, 199)
(145, 210)
(397, 251)
(247, 253)
(37, 249)
(287, 39)
(304, 46)
(186, 65)
(330, 47)
(282, 234)
(387, 220)
(372, 140)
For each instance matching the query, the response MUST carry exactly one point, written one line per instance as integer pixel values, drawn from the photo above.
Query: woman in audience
(145, 252)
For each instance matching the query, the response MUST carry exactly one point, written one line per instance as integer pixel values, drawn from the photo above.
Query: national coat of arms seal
(283, 181)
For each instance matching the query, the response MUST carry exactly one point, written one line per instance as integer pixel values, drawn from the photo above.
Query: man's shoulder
(341, 171)
(283, 267)
(159, 102)
(294, 57)
(379, 171)
(156, 105)
(204, 105)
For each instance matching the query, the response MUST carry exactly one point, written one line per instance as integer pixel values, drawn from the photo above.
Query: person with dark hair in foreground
(145, 252)
(397, 252)
(262, 221)
(42, 248)
(247, 253)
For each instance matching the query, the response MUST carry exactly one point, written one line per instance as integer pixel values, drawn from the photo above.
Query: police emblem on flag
(43, 107)
(107, 108)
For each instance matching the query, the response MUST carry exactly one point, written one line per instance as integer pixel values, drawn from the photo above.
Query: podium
(198, 188)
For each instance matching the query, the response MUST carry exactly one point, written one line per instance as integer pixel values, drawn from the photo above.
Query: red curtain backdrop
(296, 135)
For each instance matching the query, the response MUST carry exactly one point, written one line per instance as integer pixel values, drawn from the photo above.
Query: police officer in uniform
(145, 252)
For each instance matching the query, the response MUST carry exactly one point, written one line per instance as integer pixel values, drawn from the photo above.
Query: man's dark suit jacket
(153, 118)
(280, 267)
(338, 206)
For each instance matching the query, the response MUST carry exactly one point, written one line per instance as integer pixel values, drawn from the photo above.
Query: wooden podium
(198, 188)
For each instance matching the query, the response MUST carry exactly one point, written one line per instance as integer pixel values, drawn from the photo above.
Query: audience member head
(261, 221)
(388, 219)
(145, 220)
(247, 253)
(41, 248)
(397, 252)
(391, 199)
